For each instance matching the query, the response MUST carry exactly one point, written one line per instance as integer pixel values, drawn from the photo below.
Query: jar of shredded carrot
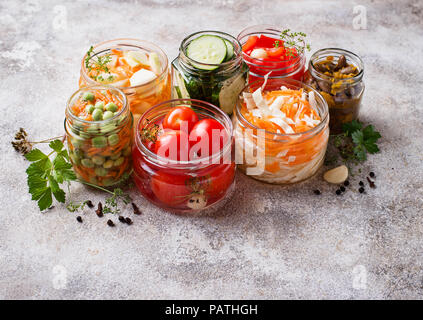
(98, 127)
(281, 129)
(137, 67)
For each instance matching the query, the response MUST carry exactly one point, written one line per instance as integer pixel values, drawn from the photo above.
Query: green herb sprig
(294, 40)
(47, 172)
(356, 141)
(98, 63)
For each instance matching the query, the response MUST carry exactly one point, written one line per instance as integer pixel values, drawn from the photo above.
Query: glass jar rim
(74, 117)
(190, 163)
(340, 51)
(237, 51)
(156, 49)
(265, 29)
(324, 118)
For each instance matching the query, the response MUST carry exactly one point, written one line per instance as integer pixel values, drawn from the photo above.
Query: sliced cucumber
(229, 50)
(180, 88)
(207, 49)
(229, 92)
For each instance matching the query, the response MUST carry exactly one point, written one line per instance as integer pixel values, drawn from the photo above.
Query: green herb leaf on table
(355, 141)
(46, 175)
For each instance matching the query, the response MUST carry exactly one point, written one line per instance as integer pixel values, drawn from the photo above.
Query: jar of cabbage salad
(99, 134)
(210, 68)
(338, 76)
(281, 129)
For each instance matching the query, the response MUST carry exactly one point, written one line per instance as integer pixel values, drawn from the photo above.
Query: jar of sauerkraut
(137, 67)
(281, 130)
(99, 135)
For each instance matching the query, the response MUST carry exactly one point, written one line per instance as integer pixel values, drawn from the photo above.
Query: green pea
(111, 107)
(88, 96)
(98, 160)
(108, 164)
(75, 159)
(99, 105)
(109, 127)
(108, 115)
(87, 163)
(113, 139)
(100, 171)
(99, 142)
(127, 151)
(97, 115)
(119, 161)
(89, 108)
(116, 156)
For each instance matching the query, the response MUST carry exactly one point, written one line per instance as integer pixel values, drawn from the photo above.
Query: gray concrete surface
(270, 242)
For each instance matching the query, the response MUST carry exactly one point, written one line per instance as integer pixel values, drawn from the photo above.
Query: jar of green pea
(98, 127)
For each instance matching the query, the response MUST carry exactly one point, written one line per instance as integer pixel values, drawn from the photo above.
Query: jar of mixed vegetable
(139, 68)
(99, 134)
(338, 75)
(281, 131)
(209, 68)
(182, 156)
(268, 50)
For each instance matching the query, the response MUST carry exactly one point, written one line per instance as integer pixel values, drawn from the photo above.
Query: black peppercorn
(110, 223)
(90, 204)
(346, 183)
(338, 192)
(361, 190)
(372, 174)
(79, 219)
(361, 183)
(136, 209)
(342, 188)
(317, 192)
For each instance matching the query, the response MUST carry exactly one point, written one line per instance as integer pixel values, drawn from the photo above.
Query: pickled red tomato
(180, 118)
(173, 145)
(207, 135)
(174, 188)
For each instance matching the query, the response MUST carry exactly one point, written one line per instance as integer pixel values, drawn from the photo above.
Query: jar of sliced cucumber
(98, 127)
(209, 67)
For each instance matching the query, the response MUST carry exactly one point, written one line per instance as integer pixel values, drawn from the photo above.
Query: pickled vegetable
(99, 141)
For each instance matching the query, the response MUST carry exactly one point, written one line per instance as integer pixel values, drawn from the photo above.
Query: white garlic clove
(336, 175)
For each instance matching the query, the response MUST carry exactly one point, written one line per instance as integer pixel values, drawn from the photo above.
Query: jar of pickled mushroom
(139, 68)
(182, 156)
(265, 52)
(99, 134)
(338, 75)
(281, 130)
(209, 67)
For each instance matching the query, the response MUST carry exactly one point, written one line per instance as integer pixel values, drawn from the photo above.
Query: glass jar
(141, 97)
(193, 186)
(279, 158)
(343, 95)
(219, 86)
(293, 68)
(100, 151)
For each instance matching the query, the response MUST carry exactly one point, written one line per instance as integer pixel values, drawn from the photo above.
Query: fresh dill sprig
(294, 40)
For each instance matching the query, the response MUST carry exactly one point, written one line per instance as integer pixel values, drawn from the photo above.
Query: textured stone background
(269, 242)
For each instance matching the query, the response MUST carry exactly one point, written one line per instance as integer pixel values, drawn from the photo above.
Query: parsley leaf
(44, 175)
(355, 141)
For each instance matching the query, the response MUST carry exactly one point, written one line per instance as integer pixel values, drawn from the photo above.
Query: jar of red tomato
(183, 156)
(265, 52)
